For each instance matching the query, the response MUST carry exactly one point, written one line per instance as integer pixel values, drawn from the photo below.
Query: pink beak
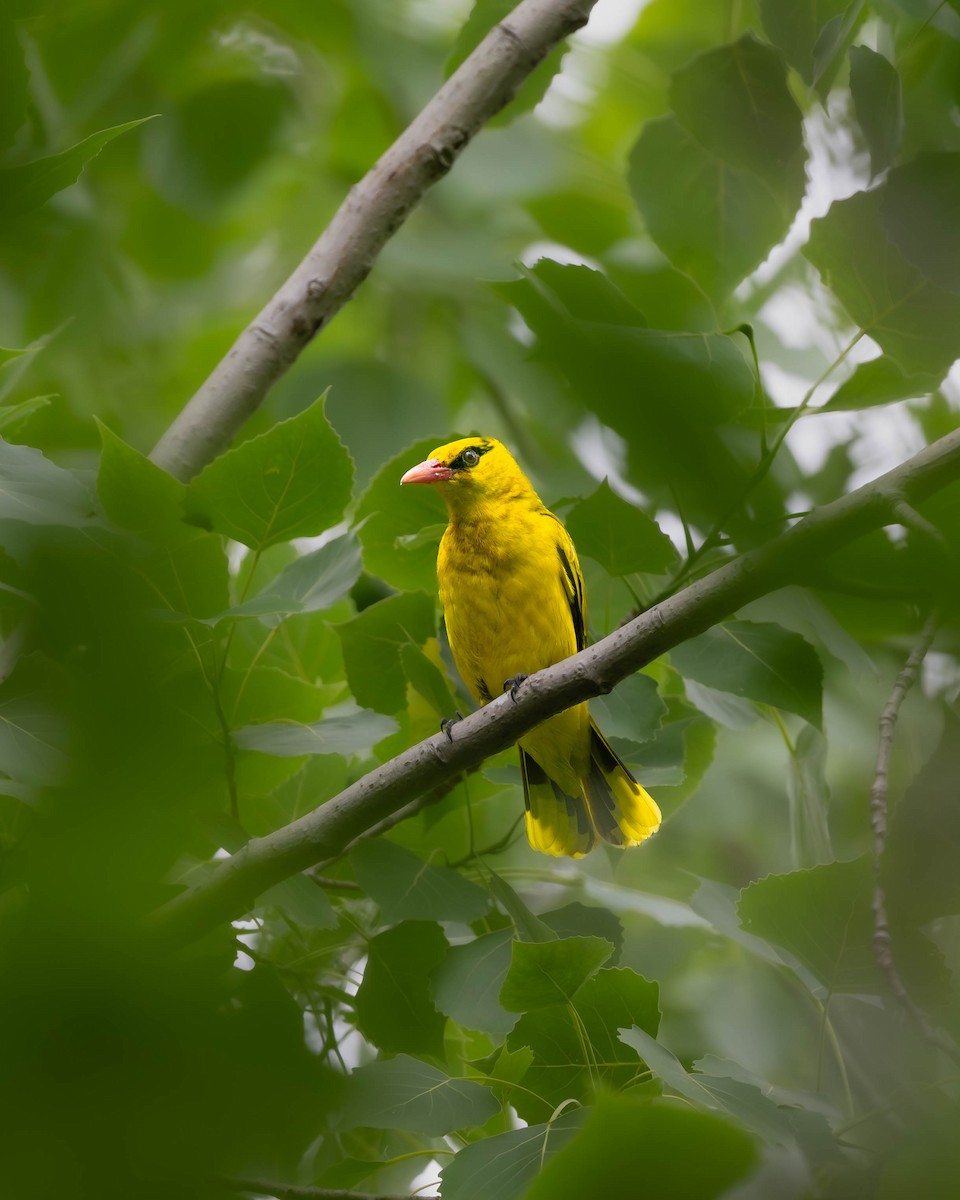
(431, 470)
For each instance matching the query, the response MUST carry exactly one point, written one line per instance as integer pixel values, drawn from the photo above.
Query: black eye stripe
(461, 464)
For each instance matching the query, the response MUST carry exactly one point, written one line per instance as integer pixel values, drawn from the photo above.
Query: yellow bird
(512, 596)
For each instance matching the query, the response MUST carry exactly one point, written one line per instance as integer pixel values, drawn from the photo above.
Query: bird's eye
(470, 458)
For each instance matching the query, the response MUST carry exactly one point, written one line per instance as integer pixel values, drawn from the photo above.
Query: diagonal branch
(232, 886)
(372, 212)
(288, 1191)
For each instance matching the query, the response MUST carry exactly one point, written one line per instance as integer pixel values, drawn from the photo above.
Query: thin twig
(882, 946)
(909, 518)
(334, 885)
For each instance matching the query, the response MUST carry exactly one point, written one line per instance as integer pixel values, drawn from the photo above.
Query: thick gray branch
(372, 212)
(232, 887)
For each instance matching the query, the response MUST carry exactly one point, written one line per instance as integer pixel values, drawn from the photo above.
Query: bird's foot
(447, 724)
(512, 685)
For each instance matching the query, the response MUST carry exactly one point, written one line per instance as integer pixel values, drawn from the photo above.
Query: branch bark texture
(232, 886)
(372, 212)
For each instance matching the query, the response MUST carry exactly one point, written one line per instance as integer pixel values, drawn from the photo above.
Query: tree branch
(233, 885)
(288, 1191)
(372, 212)
(882, 946)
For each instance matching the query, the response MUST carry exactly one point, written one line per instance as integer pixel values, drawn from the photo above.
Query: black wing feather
(575, 596)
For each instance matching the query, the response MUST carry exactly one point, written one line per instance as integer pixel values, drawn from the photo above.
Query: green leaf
(393, 1004)
(662, 909)
(466, 985)
(549, 973)
(292, 481)
(190, 576)
(634, 709)
(717, 904)
(9, 354)
(878, 381)
(551, 309)
(745, 1103)
(15, 363)
(796, 27)
(833, 40)
(735, 101)
(398, 403)
(878, 99)
(677, 1153)
(393, 518)
(676, 758)
(34, 731)
(303, 902)
(920, 205)
(348, 1172)
(28, 186)
(12, 416)
(929, 1158)
(528, 926)
(318, 780)
(575, 1046)
(712, 220)
(823, 917)
(35, 491)
(508, 1067)
(587, 920)
(14, 81)
(809, 797)
(260, 693)
(503, 1166)
(410, 1095)
(581, 218)
(427, 679)
(799, 609)
(407, 888)
(136, 494)
(345, 730)
(691, 384)
(919, 865)
(621, 537)
(371, 644)
(912, 319)
(586, 294)
(311, 583)
(763, 662)
(721, 707)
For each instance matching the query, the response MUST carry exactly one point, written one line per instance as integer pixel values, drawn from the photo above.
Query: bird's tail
(557, 823)
(613, 805)
(622, 812)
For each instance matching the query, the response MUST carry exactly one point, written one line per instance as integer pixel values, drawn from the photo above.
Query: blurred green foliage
(180, 671)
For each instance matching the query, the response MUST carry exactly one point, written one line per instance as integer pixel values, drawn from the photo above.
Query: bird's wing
(571, 579)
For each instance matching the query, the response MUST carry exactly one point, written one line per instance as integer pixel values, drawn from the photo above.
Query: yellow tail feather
(612, 806)
(557, 823)
(622, 812)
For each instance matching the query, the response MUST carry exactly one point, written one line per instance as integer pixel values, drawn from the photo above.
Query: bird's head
(469, 471)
